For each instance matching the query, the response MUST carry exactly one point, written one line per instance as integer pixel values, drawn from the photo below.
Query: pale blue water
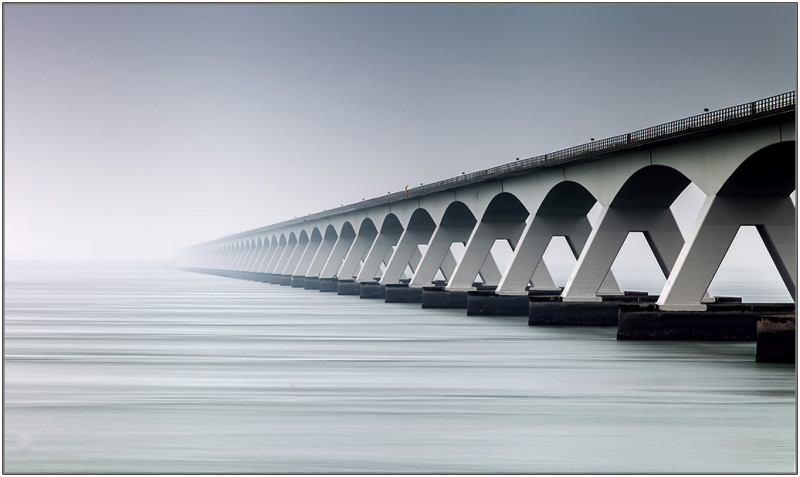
(144, 370)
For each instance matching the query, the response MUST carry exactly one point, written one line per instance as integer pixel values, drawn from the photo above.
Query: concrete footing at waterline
(372, 290)
(286, 280)
(328, 285)
(348, 287)
(438, 297)
(402, 293)
(298, 281)
(551, 310)
(721, 321)
(775, 338)
(311, 283)
(488, 302)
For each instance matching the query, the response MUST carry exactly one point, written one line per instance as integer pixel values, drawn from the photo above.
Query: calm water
(143, 370)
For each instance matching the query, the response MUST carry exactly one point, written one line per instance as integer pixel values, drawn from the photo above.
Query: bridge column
(380, 249)
(527, 259)
(250, 251)
(413, 262)
(439, 249)
(294, 258)
(338, 253)
(287, 254)
(320, 258)
(267, 258)
(276, 257)
(257, 255)
(300, 272)
(359, 250)
(232, 257)
(478, 254)
(614, 225)
(717, 224)
(407, 248)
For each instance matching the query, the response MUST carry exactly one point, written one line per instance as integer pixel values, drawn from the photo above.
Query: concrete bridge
(396, 246)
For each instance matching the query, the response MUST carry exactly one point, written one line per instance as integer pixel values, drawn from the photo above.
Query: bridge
(399, 246)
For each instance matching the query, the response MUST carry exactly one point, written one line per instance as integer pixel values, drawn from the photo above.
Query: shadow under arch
(769, 172)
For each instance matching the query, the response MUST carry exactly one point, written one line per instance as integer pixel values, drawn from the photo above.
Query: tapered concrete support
(717, 224)
(443, 237)
(406, 249)
(357, 252)
(265, 263)
(250, 258)
(478, 252)
(244, 255)
(231, 257)
(322, 255)
(382, 245)
(291, 246)
(594, 264)
(308, 255)
(338, 253)
(448, 265)
(253, 265)
(276, 257)
(413, 263)
(294, 259)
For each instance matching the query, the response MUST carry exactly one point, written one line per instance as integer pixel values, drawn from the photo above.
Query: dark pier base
(372, 290)
(298, 281)
(550, 310)
(482, 302)
(402, 293)
(488, 302)
(311, 283)
(286, 280)
(348, 287)
(438, 297)
(722, 321)
(329, 285)
(274, 278)
(775, 338)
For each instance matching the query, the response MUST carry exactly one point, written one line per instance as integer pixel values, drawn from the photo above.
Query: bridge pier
(347, 287)
(724, 320)
(372, 289)
(552, 310)
(328, 285)
(402, 293)
(438, 297)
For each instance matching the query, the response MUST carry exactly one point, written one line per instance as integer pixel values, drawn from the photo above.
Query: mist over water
(136, 369)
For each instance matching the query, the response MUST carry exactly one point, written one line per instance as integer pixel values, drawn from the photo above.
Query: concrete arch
(456, 225)
(359, 249)
(641, 204)
(768, 172)
(755, 193)
(504, 219)
(388, 236)
(561, 212)
(419, 230)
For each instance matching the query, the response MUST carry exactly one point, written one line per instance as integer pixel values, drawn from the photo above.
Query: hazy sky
(133, 130)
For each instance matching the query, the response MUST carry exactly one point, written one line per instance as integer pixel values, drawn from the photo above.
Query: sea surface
(124, 369)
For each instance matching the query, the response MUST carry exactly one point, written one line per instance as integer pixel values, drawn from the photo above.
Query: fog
(132, 130)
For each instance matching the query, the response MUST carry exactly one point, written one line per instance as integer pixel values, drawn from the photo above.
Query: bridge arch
(641, 204)
(756, 193)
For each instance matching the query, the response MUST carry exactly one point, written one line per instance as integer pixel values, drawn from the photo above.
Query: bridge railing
(721, 117)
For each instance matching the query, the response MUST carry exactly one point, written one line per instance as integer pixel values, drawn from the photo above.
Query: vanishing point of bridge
(399, 247)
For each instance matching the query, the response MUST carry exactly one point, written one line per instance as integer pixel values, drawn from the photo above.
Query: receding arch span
(769, 172)
(567, 197)
(458, 214)
(330, 233)
(316, 235)
(505, 207)
(367, 228)
(347, 230)
(654, 186)
(421, 220)
(391, 224)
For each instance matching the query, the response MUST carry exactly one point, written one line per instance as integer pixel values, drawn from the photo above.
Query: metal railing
(712, 119)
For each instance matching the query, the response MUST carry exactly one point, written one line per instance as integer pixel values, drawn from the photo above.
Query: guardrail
(718, 118)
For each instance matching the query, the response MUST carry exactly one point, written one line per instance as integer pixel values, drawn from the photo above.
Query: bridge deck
(698, 125)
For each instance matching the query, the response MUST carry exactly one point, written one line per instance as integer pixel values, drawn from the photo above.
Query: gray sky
(133, 130)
